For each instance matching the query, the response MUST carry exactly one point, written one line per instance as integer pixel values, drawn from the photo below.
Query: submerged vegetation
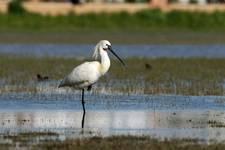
(187, 76)
(107, 143)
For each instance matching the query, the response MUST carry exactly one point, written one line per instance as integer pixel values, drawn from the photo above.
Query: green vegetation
(15, 7)
(193, 1)
(146, 20)
(109, 143)
(188, 76)
(146, 26)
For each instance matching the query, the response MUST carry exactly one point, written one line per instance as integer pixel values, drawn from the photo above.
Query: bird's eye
(107, 47)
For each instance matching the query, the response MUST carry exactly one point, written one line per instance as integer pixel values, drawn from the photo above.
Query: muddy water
(162, 116)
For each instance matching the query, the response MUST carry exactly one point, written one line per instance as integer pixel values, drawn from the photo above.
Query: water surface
(161, 116)
(80, 51)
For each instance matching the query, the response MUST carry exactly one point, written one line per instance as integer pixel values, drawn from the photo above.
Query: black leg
(82, 124)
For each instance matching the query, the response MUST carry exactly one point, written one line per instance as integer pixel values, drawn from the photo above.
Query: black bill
(110, 49)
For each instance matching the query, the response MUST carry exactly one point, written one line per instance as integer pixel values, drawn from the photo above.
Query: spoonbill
(86, 74)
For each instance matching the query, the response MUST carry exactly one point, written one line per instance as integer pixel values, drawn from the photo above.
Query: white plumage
(82, 76)
(88, 73)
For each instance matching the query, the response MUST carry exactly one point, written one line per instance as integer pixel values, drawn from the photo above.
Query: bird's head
(103, 47)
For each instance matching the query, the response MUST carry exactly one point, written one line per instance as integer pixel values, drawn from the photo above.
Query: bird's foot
(82, 131)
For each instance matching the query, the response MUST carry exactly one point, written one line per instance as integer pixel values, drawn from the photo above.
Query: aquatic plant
(108, 143)
(187, 76)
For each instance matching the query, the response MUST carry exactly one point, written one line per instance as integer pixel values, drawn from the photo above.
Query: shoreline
(124, 37)
(107, 143)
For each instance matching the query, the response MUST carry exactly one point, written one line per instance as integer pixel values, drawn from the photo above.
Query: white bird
(85, 75)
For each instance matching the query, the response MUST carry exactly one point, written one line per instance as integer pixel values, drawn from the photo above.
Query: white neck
(105, 62)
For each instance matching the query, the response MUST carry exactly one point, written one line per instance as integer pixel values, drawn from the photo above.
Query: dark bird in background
(42, 78)
(148, 66)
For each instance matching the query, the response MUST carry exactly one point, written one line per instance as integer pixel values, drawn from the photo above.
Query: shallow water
(80, 51)
(161, 116)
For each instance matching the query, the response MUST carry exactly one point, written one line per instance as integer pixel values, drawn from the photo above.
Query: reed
(145, 20)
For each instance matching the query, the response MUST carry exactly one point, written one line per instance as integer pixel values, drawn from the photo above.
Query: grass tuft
(113, 143)
(186, 76)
